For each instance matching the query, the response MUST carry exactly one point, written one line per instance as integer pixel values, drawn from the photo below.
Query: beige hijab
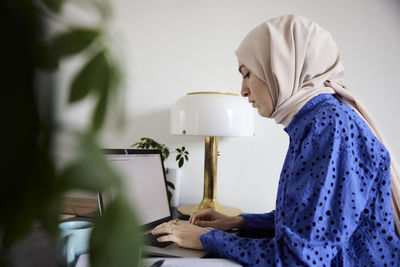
(298, 60)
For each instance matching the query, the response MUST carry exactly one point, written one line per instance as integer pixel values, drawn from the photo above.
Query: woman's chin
(263, 113)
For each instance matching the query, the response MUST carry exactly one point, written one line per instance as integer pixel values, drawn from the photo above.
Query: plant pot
(175, 176)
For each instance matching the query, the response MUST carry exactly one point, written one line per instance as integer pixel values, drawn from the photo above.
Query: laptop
(143, 177)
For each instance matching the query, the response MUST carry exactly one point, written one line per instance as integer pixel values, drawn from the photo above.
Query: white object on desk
(190, 262)
(175, 176)
(83, 261)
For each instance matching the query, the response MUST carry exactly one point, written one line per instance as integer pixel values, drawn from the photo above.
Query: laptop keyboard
(152, 241)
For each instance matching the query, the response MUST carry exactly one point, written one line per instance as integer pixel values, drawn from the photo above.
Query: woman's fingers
(164, 228)
(193, 217)
(205, 223)
(167, 238)
(201, 215)
(158, 229)
(182, 233)
(196, 215)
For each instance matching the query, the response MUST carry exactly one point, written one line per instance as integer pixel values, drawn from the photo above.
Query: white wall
(170, 48)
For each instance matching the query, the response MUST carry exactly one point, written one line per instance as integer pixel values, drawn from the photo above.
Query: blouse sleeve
(323, 192)
(259, 224)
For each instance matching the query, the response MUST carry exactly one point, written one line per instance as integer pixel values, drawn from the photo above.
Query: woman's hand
(183, 233)
(214, 219)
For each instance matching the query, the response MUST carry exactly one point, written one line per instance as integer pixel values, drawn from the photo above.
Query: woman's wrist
(238, 222)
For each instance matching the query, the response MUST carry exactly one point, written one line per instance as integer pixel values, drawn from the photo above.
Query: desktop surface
(37, 249)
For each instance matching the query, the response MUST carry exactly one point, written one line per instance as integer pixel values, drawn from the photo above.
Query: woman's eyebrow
(240, 69)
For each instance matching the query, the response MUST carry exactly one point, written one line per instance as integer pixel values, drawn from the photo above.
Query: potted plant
(32, 56)
(181, 157)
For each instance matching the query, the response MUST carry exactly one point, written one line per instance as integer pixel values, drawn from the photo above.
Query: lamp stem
(210, 171)
(210, 175)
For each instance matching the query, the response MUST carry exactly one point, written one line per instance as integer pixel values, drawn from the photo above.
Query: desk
(38, 250)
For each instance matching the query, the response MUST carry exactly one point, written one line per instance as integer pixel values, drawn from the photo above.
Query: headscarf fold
(299, 60)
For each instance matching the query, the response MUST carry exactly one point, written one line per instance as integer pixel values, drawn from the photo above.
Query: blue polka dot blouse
(333, 206)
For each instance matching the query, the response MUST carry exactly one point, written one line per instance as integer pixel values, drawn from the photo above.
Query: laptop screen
(143, 178)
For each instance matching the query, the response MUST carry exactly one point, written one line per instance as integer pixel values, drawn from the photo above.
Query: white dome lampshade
(211, 114)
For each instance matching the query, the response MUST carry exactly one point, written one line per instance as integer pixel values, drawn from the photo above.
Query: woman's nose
(245, 91)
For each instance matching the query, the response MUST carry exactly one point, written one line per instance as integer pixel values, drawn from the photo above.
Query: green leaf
(94, 77)
(181, 161)
(74, 41)
(183, 148)
(54, 5)
(165, 152)
(155, 144)
(91, 170)
(79, 176)
(138, 144)
(187, 158)
(178, 150)
(170, 184)
(178, 157)
(99, 113)
(116, 240)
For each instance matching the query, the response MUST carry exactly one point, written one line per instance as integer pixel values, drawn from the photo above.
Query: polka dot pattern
(333, 206)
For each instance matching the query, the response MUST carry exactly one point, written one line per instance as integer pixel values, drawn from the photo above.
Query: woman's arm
(214, 219)
(256, 224)
(259, 225)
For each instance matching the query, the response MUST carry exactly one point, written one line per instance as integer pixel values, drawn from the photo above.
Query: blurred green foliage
(31, 187)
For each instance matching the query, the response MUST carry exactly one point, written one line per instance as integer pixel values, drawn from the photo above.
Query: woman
(334, 205)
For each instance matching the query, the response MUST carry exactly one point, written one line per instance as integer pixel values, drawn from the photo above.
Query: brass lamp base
(189, 209)
(210, 183)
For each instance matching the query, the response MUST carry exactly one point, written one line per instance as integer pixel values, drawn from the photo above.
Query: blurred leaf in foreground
(54, 5)
(116, 240)
(93, 77)
(99, 113)
(91, 170)
(74, 41)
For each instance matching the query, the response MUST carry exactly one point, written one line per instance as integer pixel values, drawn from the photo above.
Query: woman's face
(256, 91)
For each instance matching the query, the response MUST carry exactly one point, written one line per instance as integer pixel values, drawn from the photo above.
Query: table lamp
(212, 115)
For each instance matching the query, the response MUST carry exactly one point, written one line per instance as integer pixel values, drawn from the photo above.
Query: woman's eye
(246, 76)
